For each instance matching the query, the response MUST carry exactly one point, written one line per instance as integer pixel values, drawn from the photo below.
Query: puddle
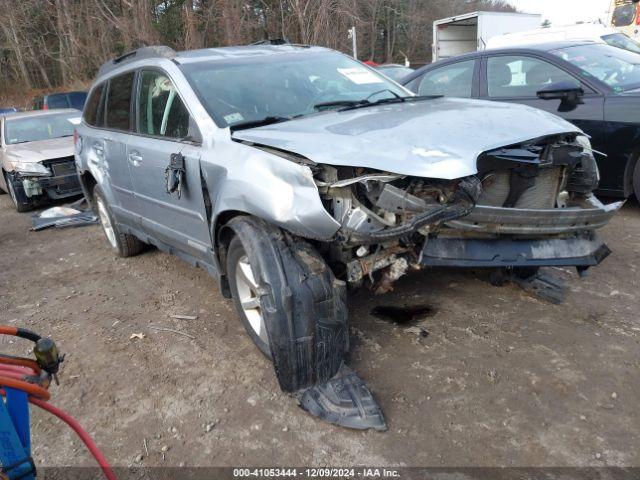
(403, 315)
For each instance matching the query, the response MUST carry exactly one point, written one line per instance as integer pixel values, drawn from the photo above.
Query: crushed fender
(72, 215)
(344, 400)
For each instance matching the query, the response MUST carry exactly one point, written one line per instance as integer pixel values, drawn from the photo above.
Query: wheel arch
(629, 171)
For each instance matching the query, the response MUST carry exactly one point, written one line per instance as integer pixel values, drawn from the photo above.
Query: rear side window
(451, 80)
(58, 101)
(93, 108)
(162, 113)
(119, 102)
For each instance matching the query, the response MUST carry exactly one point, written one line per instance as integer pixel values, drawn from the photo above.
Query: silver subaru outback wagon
(291, 173)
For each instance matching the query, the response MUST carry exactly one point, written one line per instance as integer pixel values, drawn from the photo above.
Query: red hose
(84, 436)
(12, 373)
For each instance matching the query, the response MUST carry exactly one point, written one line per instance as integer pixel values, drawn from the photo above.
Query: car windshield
(618, 68)
(43, 127)
(284, 86)
(620, 40)
(623, 15)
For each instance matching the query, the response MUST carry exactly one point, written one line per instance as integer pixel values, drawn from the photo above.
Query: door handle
(135, 158)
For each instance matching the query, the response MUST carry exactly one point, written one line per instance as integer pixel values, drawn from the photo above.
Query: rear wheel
(122, 244)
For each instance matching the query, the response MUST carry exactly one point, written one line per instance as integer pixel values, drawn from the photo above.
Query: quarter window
(119, 102)
(162, 113)
(521, 77)
(93, 107)
(451, 80)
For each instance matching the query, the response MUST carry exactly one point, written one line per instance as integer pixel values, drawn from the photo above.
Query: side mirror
(560, 91)
(568, 92)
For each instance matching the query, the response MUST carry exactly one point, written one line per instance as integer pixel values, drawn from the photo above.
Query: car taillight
(638, 14)
(75, 136)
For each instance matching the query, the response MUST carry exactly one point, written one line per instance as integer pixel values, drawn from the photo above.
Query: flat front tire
(245, 281)
(122, 244)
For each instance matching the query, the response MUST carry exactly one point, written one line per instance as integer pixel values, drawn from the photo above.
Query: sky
(565, 12)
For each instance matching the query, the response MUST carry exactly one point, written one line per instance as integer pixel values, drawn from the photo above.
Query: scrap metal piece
(72, 215)
(543, 285)
(344, 400)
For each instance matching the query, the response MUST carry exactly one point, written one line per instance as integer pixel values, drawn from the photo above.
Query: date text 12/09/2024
(362, 472)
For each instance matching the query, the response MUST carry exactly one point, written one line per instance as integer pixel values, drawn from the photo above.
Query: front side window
(242, 90)
(451, 80)
(119, 102)
(618, 68)
(161, 111)
(521, 77)
(92, 113)
(42, 127)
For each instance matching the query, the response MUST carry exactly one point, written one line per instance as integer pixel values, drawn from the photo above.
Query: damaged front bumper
(524, 237)
(590, 214)
(55, 187)
(579, 251)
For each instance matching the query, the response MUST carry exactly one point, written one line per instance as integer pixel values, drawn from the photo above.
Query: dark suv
(60, 100)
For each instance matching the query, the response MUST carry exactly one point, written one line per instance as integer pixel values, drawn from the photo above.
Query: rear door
(109, 144)
(165, 128)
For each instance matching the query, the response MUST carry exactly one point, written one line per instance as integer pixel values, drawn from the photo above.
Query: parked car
(594, 32)
(60, 100)
(291, 172)
(394, 71)
(594, 86)
(36, 156)
(8, 109)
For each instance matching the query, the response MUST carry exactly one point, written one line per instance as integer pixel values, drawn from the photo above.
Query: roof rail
(158, 51)
(272, 41)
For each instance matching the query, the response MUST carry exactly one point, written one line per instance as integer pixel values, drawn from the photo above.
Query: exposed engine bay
(387, 218)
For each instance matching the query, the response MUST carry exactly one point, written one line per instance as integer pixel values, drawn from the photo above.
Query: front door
(518, 78)
(165, 128)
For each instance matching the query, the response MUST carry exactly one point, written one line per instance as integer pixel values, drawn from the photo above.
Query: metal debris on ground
(75, 214)
(184, 317)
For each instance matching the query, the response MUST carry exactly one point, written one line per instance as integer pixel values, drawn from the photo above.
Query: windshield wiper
(259, 123)
(354, 104)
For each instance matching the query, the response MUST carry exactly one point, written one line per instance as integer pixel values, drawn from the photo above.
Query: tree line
(51, 43)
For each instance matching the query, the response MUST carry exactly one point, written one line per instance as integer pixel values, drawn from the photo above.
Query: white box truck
(470, 32)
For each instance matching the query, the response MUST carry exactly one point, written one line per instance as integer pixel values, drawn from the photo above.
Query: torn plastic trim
(344, 400)
(305, 314)
(378, 177)
(285, 154)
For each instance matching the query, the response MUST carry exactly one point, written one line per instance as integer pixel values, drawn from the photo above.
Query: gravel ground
(502, 379)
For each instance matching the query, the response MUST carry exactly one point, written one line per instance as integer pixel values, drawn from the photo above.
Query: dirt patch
(502, 379)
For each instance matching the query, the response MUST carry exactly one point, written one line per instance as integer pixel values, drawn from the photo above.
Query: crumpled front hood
(439, 138)
(34, 152)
